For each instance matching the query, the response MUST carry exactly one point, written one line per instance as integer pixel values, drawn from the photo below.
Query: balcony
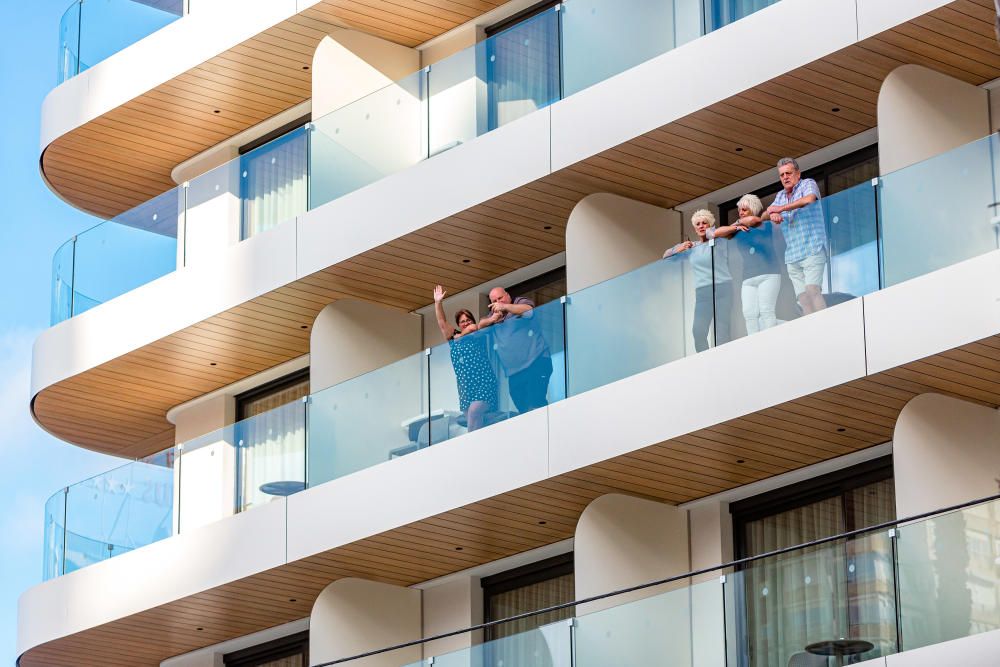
(906, 586)
(505, 77)
(545, 163)
(594, 337)
(92, 30)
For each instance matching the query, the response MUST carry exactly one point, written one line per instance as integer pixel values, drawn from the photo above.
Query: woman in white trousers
(761, 266)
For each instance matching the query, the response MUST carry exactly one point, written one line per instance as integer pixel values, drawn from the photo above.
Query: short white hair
(751, 203)
(703, 214)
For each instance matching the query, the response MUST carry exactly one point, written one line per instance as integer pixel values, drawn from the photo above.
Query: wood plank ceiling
(119, 407)
(775, 440)
(124, 157)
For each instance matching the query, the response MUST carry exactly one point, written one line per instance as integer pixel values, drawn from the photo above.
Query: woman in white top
(712, 281)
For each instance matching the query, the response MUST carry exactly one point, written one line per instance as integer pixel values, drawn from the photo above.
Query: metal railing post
(893, 538)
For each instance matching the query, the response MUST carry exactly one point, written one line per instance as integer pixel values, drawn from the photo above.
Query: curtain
(523, 68)
(531, 648)
(271, 440)
(841, 589)
(273, 182)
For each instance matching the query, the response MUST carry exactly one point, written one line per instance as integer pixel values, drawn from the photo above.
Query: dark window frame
(276, 133)
(832, 485)
(519, 17)
(285, 647)
(272, 387)
(819, 174)
(541, 280)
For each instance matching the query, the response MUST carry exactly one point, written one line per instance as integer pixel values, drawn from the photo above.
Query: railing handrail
(667, 580)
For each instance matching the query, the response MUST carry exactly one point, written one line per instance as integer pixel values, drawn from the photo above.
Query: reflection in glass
(271, 454)
(273, 182)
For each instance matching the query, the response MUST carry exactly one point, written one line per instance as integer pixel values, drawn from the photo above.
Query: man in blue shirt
(797, 206)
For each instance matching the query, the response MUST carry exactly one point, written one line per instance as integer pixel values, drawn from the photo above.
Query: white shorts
(807, 271)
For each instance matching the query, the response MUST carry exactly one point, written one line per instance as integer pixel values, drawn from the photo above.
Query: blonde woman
(712, 280)
(761, 265)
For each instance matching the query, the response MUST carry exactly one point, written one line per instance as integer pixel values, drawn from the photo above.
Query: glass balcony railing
(698, 298)
(525, 68)
(841, 600)
(92, 30)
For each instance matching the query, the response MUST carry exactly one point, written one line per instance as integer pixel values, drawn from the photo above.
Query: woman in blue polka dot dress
(477, 384)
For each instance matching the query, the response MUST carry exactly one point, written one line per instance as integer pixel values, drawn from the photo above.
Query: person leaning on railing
(805, 233)
(713, 293)
(521, 347)
(761, 267)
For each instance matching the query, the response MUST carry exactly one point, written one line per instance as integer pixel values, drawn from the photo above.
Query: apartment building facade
(769, 444)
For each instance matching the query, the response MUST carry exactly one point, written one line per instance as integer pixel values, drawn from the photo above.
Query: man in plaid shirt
(805, 234)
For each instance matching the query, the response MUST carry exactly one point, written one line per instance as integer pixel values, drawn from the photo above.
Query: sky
(34, 223)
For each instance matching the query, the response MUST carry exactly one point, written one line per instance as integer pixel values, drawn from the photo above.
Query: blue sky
(34, 223)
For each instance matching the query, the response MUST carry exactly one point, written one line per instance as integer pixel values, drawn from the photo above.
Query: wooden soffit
(124, 157)
(772, 441)
(120, 406)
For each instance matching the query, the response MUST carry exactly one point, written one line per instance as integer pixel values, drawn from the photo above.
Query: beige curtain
(273, 442)
(274, 182)
(836, 590)
(530, 648)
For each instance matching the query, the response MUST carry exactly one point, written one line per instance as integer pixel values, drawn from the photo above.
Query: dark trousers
(529, 387)
(705, 310)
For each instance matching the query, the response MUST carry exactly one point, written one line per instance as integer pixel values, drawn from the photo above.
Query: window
(274, 178)
(291, 651)
(522, 64)
(839, 587)
(535, 586)
(549, 286)
(270, 439)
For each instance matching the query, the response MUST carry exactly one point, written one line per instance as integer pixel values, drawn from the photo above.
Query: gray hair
(788, 160)
(703, 214)
(752, 203)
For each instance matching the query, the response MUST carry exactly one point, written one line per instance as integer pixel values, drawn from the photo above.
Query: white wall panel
(773, 366)
(154, 575)
(874, 16)
(941, 310)
(695, 75)
(168, 304)
(448, 475)
(213, 28)
(495, 163)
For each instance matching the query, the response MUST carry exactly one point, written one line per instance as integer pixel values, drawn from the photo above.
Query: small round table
(282, 488)
(840, 648)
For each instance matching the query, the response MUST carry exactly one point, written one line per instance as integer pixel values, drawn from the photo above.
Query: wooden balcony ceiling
(119, 407)
(775, 440)
(124, 157)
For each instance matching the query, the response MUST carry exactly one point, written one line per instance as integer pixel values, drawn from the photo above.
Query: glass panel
(601, 38)
(69, 43)
(62, 283)
(373, 137)
(547, 646)
(487, 376)
(108, 26)
(923, 231)
(273, 182)
(207, 481)
(833, 599)
(131, 250)
(522, 68)
(271, 454)
(368, 420)
(120, 510)
(629, 324)
(846, 265)
(55, 527)
(213, 213)
(949, 585)
(680, 627)
(720, 13)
